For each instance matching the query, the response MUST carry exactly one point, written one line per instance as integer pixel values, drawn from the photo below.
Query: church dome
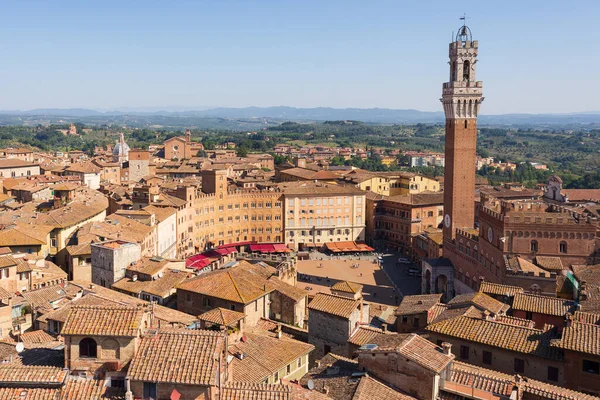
(121, 148)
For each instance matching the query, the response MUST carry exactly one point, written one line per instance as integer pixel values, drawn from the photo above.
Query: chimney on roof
(325, 389)
(447, 347)
(278, 331)
(568, 320)
(384, 327)
(91, 285)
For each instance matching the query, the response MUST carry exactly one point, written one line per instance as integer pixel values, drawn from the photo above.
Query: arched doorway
(427, 282)
(441, 284)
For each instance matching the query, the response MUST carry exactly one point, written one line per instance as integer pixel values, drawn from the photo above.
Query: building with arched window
(103, 337)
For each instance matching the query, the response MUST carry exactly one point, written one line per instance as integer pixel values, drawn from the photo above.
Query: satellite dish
(311, 384)
(20, 347)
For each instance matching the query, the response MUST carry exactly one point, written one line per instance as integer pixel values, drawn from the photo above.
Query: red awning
(281, 248)
(347, 247)
(199, 261)
(269, 248)
(235, 244)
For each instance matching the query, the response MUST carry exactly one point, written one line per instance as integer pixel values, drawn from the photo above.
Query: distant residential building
(88, 173)
(15, 167)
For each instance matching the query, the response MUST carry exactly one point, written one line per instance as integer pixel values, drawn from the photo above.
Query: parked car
(413, 271)
(403, 260)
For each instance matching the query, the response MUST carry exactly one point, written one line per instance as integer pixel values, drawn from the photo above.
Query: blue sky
(535, 56)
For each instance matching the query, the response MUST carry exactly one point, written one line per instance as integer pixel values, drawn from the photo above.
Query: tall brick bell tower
(461, 98)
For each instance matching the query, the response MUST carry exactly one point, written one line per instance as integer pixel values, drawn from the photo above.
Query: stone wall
(399, 372)
(503, 360)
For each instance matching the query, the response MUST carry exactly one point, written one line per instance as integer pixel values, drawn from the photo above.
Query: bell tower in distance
(461, 98)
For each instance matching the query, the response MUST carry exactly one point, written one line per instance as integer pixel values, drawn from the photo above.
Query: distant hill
(372, 115)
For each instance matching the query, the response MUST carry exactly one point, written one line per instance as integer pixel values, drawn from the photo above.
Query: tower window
(466, 71)
(534, 245)
(563, 247)
(453, 72)
(465, 124)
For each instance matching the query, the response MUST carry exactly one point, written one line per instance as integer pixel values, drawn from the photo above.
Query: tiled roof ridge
(235, 286)
(372, 328)
(491, 321)
(342, 358)
(260, 387)
(107, 306)
(466, 368)
(337, 296)
(544, 297)
(190, 332)
(510, 317)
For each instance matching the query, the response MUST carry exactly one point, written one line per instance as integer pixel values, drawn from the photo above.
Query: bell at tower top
(464, 34)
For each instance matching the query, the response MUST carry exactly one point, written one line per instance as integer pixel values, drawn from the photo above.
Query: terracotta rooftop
(581, 337)
(470, 376)
(587, 273)
(587, 317)
(222, 316)
(15, 163)
(319, 188)
(333, 304)
(420, 199)
(543, 304)
(46, 299)
(453, 312)
(517, 264)
(514, 338)
(112, 297)
(19, 374)
(347, 287)
(25, 235)
(340, 386)
(505, 319)
(549, 263)
(420, 351)
(31, 393)
(264, 354)
(188, 357)
(500, 290)
(583, 194)
(241, 283)
(163, 286)
(365, 334)
(418, 303)
(481, 301)
(77, 389)
(100, 320)
(84, 167)
(7, 351)
(371, 389)
(256, 391)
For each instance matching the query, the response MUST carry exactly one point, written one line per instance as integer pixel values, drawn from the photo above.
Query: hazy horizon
(339, 54)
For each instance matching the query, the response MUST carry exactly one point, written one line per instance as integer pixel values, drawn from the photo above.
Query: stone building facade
(139, 164)
(317, 213)
(332, 320)
(398, 219)
(110, 260)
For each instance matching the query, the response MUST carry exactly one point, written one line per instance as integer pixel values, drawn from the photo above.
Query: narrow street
(407, 284)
